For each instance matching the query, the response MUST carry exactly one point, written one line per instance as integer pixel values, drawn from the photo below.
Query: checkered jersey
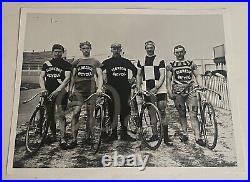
(150, 71)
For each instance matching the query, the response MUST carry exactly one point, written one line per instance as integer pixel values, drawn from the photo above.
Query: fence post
(227, 95)
(213, 88)
(220, 91)
(209, 87)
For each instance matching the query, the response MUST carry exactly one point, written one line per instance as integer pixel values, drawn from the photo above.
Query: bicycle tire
(107, 124)
(209, 124)
(145, 132)
(97, 130)
(40, 128)
(133, 119)
(132, 126)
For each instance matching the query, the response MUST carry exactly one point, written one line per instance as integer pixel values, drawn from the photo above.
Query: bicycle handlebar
(34, 96)
(103, 94)
(133, 86)
(39, 93)
(142, 92)
(204, 89)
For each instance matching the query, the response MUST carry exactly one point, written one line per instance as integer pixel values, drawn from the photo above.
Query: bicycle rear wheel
(37, 130)
(210, 128)
(97, 128)
(151, 126)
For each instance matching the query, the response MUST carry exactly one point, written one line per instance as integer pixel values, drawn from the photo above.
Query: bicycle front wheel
(97, 128)
(151, 126)
(210, 128)
(132, 119)
(37, 130)
(132, 125)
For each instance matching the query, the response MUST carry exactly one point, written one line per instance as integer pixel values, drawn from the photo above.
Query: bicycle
(110, 123)
(206, 116)
(140, 120)
(38, 125)
(98, 116)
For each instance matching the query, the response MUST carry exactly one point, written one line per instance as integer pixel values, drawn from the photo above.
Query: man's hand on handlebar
(201, 87)
(44, 92)
(99, 91)
(132, 80)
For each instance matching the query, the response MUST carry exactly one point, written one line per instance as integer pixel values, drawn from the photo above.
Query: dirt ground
(179, 155)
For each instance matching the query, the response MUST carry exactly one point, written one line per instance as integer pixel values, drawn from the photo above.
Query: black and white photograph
(122, 89)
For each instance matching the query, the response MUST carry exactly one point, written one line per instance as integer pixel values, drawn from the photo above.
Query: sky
(198, 33)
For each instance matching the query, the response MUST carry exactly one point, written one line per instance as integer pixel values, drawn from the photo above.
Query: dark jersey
(117, 69)
(55, 73)
(85, 77)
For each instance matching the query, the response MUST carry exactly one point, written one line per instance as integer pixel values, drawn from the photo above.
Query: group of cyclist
(62, 81)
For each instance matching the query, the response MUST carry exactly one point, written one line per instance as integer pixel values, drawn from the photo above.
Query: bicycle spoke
(210, 126)
(151, 126)
(97, 129)
(37, 130)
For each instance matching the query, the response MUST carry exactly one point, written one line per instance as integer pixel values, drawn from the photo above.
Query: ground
(179, 155)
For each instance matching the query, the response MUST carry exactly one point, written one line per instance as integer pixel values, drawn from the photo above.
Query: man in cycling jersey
(151, 77)
(86, 79)
(182, 77)
(53, 80)
(116, 71)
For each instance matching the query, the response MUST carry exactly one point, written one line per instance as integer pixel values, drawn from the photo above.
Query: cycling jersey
(182, 71)
(150, 69)
(55, 73)
(85, 76)
(182, 77)
(117, 70)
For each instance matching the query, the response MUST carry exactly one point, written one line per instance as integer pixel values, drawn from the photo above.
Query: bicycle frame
(85, 113)
(42, 108)
(202, 103)
(95, 94)
(200, 93)
(200, 96)
(137, 110)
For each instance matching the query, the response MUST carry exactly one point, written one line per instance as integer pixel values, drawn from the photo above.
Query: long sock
(165, 132)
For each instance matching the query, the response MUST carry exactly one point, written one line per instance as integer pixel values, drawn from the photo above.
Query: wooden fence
(218, 84)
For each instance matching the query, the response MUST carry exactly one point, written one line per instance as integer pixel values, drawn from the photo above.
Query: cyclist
(182, 77)
(86, 79)
(54, 77)
(151, 77)
(116, 71)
